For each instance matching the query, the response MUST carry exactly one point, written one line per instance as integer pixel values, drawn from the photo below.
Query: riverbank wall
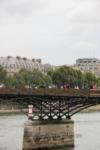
(4, 108)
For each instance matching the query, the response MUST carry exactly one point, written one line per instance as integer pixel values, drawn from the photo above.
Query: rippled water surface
(87, 132)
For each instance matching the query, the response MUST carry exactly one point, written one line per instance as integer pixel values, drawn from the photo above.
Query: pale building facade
(88, 65)
(14, 64)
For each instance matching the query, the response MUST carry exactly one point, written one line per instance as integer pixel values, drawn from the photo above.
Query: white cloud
(58, 31)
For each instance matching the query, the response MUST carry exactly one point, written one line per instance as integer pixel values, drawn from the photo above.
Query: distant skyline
(57, 31)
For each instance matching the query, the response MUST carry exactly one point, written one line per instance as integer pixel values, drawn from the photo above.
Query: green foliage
(28, 78)
(67, 75)
(9, 81)
(40, 79)
(78, 77)
(50, 73)
(89, 79)
(60, 76)
(98, 81)
(18, 80)
(3, 75)
(47, 80)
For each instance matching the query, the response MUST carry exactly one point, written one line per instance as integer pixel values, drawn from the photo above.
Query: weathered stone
(48, 134)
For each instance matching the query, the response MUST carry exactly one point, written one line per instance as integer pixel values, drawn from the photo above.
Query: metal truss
(48, 107)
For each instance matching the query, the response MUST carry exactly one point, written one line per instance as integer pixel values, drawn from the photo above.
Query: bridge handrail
(49, 91)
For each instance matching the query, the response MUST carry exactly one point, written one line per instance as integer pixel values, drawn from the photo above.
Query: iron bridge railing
(50, 106)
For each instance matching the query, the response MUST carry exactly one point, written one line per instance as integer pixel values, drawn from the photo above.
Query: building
(88, 65)
(14, 64)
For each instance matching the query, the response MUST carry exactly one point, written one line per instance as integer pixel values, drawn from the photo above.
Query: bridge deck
(48, 91)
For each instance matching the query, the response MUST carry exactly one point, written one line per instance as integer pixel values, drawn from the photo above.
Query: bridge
(51, 125)
(51, 104)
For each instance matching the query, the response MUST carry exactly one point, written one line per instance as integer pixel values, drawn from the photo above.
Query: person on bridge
(65, 88)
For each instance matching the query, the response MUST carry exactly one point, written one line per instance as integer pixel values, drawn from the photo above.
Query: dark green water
(87, 131)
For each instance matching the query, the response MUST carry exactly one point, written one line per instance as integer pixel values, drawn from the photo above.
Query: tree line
(58, 77)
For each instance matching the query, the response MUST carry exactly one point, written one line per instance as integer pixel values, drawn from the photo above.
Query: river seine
(87, 131)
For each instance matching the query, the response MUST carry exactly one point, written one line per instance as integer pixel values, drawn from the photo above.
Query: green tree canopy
(27, 77)
(3, 75)
(89, 79)
(40, 79)
(67, 75)
(9, 81)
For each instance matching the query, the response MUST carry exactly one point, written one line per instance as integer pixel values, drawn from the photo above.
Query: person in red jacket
(65, 88)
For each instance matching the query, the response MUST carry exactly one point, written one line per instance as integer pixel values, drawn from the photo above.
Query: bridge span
(51, 106)
(51, 125)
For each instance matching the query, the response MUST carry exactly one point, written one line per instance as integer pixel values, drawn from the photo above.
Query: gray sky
(58, 31)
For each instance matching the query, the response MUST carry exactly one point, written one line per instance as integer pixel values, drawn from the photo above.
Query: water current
(87, 131)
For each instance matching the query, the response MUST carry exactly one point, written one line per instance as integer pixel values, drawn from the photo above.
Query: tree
(60, 76)
(78, 76)
(3, 75)
(9, 81)
(27, 77)
(50, 73)
(37, 78)
(18, 80)
(89, 79)
(98, 81)
(47, 80)
(66, 75)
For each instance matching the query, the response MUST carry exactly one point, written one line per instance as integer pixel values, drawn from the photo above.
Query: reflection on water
(87, 132)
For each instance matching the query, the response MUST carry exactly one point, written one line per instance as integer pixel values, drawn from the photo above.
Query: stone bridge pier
(47, 134)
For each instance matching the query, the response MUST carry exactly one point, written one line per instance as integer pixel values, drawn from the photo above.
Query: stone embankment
(11, 109)
(92, 109)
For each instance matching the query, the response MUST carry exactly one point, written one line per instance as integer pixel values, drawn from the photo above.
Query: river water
(87, 131)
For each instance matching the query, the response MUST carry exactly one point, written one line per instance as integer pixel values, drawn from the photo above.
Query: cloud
(87, 12)
(21, 7)
(58, 31)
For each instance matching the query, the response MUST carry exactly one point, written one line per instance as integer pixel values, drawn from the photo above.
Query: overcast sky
(58, 31)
